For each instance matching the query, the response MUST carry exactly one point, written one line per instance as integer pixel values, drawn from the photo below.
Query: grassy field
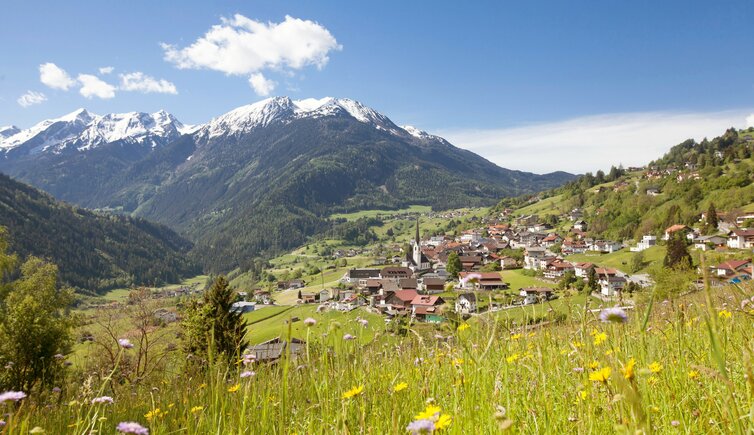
(675, 367)
(381, 213)
(622, 259)
(516, 280)
(120, 295)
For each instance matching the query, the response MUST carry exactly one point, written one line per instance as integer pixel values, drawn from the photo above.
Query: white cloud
(262, 86)
(593, 142)
(106, 70)
(93, 86)
(138, 81)
(31, 98)
(242, 46)
(55, 77)
(750, 120)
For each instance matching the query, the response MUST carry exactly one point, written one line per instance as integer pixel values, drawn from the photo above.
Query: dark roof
(272, 350)
(434, 281)
(364, 273)
(471, 297)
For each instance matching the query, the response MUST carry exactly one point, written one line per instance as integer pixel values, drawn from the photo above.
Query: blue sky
(616, 80)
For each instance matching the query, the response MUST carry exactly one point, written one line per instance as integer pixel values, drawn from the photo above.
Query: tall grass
(691, 374)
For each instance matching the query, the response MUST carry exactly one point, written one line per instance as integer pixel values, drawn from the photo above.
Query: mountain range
(258, 179)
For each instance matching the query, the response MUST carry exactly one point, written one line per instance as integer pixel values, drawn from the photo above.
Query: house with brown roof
(685, 230)
(486, 281)
(396, 272)
(741, 239)
(556, 269)
(732, 268)
(433, 285)
(401, 299)
(427, 307)
(470, 262)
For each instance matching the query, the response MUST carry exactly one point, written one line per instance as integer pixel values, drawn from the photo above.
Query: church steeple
(417, 247)
(417, 231)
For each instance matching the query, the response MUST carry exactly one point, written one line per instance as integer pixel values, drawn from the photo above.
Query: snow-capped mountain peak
(8, 130)
(83, 130)
(265, 112)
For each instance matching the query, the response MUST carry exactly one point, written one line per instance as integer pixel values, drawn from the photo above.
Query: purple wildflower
(578, 369)
(615, 315)
(59, 356)
(249, 359)
(348, 337)
(309, 321)
(247, 374)
(364, 322)
(2, 423)
(421, 426)
(131, 427)
(56, 390)
(675, 423)
(12, 395)
(125, 343)
(103, 399)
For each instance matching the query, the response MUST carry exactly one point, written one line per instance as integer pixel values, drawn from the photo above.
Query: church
(415, 258)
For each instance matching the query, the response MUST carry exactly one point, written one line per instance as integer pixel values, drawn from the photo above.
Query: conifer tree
(677, 254)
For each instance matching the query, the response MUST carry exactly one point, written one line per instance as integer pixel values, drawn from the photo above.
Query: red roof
(406, 295)
(676, 227)
(733, 264)
(485, 276)
(426, 300)
(605, 271)
(583, 265)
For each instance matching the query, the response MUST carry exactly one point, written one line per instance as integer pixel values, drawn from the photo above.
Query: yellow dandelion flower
(463, 327)
(515, 336)
(655, 367)
(513, 358)
(458, 361)
(564, 351)
(583, 394)
(725, 314)
(628, 370)
(608, 352)
(234, 388)
(652, 380)
(601, 375)
(355, 391)
(196, 409)
(693, 374)
(443, 421)
(155, 413)
(428, 413)
(577, 344)
(599, 338)
(594, 365)
(400, 387)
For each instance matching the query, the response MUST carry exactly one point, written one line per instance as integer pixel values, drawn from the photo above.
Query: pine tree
(592, 284)
(677, 254)
(712, 222)
(211, 326)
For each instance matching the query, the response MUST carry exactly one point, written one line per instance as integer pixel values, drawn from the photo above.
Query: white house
(580, 225)
(533, 257)
(646, 242)
(741, 239)
(611, 285)
(466, 303)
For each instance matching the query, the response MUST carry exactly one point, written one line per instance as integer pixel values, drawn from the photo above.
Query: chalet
(323, 296)
(408, 284)
(551, 239)
(396, 272)
(533, 295)
(433, 285)
(373, 286)
(573, 247)
(740, 220)
(732, 268)
(611, 285)
(470, 262)
(704, 243)
(557, 268)
(532, 257)
(683, 229)
(531, 239)
(263, 297)
(507, 262)
(582, 269)
(646, 242)
(486, 281)
(427, 307)
(292, 284)
(273, 350)
(741, 239)
(580, 225)
(359, 277)
(466, 303)
(606, 246)
(309, 298)
(400, 300)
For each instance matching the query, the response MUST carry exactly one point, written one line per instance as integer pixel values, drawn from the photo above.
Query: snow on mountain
(265, 112)
(83, 130)
(415, 132)
(8, 131)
